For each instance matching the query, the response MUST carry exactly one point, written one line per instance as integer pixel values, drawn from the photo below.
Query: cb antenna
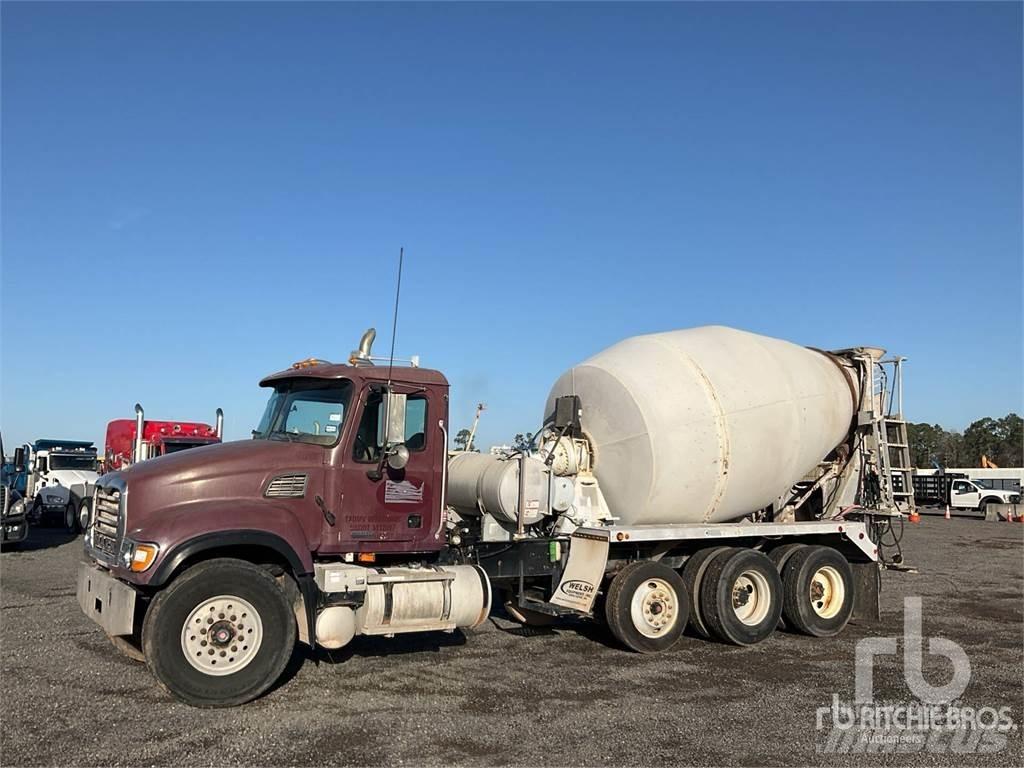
(394, 321)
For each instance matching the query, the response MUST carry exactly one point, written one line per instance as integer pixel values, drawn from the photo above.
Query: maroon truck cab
(312, 481)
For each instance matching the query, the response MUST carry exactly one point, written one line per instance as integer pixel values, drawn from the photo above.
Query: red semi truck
(708, 477)
(130, 441)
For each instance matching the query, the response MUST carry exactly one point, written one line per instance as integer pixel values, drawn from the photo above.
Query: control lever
(328, 515)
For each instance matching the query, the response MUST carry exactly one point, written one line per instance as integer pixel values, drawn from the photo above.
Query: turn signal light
(144, 556)
(367, 557)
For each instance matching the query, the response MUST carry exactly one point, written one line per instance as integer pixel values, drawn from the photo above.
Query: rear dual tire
(741, 596)
(819, 591)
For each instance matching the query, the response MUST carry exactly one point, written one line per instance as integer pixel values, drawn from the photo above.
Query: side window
(369, 439)
(416, 423)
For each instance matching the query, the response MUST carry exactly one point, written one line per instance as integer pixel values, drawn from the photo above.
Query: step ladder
(896, 471)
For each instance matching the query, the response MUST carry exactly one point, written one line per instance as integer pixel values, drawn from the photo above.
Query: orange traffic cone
(915, 516)
(947, 511)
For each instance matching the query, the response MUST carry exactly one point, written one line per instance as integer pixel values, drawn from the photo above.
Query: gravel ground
(501, 696)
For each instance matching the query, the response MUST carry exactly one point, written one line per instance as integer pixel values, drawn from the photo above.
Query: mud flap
(867, 583)
(584, 570)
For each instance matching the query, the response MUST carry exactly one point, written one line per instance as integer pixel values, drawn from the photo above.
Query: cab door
(384, 509)
(965, 495)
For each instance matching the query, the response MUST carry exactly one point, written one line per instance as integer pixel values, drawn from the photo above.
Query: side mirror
(394, 418)
(19, 459)
(398, 457)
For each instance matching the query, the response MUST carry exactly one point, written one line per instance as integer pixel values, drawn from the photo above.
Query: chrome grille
(107, 514)
(286, 487)
(3, 499)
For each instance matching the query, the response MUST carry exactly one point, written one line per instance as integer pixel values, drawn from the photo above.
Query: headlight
(139, 556)
(17, 508)
(53, 499)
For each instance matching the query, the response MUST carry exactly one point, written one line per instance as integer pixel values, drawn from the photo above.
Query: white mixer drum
(707, 424)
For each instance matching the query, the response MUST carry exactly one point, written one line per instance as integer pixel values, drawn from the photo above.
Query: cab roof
(403, 374)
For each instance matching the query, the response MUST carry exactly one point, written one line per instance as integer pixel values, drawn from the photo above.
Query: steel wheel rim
(827, 592)
(222, 635)
(751, 598)
(654, 608)
(83, 517)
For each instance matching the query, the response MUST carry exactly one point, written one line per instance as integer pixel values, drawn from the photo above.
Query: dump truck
(707, 478)
(129, 441)
(60, 479)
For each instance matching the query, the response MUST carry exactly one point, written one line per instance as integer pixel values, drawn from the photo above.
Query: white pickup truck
(967, 494)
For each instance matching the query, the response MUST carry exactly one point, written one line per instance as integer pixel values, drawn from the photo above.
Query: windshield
(173, 446)
(85, 463)
(305, 411)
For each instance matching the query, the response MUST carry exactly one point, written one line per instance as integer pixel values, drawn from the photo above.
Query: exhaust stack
(140, 417)
(219, 429)
(361, 356)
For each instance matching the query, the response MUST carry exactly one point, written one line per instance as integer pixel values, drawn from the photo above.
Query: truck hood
(69, 478)
(168, 486)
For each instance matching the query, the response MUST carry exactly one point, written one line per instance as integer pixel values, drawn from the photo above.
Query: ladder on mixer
(890, 432)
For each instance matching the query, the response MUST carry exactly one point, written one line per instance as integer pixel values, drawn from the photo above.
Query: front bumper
(105, 600)
(13, 531)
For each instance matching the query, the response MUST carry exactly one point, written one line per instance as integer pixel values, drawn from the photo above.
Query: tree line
(1001, 440)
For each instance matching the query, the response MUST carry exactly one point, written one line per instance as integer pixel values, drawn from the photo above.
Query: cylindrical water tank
(707, 424)
(484, 483)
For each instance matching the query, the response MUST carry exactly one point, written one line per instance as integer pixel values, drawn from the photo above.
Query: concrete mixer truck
(706, 478)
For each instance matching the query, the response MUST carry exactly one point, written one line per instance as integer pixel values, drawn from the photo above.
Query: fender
(171, 561)
(184, 530)
(207, 541)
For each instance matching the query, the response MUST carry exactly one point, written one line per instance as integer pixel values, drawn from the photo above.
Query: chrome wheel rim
(654, 608)
(222, 635)
(751, 598)
(827, 592)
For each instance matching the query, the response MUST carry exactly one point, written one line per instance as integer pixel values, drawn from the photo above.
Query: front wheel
(221, 634)
(985, 502)
(647, 607)
(83, 515)
(71, 518)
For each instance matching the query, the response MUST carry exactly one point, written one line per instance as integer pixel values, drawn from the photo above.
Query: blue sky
(196, 195)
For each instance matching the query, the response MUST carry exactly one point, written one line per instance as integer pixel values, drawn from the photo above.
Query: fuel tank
(707, 424)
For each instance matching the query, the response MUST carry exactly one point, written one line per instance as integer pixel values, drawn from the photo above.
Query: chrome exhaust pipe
(140, 417)
(219, 429)
(361, 356)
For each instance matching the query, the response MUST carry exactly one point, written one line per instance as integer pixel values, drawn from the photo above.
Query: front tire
(71, 518)
(647, 607)
(741, 597)
(83, 515)
(985, 502)
(234, 623)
